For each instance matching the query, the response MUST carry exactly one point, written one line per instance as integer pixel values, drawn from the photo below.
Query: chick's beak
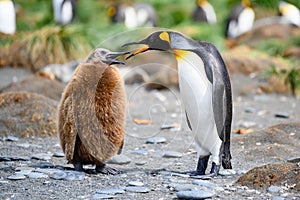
(141, 50)
(110, 58)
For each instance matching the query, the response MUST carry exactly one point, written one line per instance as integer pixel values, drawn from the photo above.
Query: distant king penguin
(64, 11)
(7, 17)
(206, 93)
(290, 12)
(91, 114)
(204, 12)
(240, 20)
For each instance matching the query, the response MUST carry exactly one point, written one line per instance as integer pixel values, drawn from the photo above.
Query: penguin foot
(213, 173)
(78, 167)
(103, 169)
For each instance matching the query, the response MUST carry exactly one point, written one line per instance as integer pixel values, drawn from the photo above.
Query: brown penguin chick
(91, 114)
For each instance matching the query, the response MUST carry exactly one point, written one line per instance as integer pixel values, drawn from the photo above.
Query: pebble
(250, 110)
(183, 187)
(293, 160)
(172, 154)
(248, 124)
(68, 176)
(58, 154)
(156, 140)
(103, 196)
(282, 115)
(111, 191)
(11, 139)
(136, 183)
(13, 158)
(274, 189)
(47, 170)
(24, 171)
(227, 172)
(140, 152)
(194, 194)
(42, 165)
(23, 145)
(36, 175)
(41, 156)
(137, 189)
(278, 198)
(120, 160)
(208, 185)
(16, 177)
(141, 162)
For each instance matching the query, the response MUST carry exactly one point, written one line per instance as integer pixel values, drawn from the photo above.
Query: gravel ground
(147, 175)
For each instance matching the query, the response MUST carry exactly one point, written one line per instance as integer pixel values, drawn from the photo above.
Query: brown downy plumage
(91, 115)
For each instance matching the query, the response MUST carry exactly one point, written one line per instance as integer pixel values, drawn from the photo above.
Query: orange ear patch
(111, 11)
(165, 36)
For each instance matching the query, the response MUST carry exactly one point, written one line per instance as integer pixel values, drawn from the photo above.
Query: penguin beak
(110, 58)
(141, 50)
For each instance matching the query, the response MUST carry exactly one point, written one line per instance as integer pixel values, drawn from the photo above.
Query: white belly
(196, 93)
(7, 17)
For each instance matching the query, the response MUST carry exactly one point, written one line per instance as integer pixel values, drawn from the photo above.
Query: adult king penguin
(7, 17)
(204, 12)
(91, 114)
(290, 12)
(64, 11)
(240, 20)
(206, 93)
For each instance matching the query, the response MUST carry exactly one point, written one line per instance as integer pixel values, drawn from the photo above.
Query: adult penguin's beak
(141, 50)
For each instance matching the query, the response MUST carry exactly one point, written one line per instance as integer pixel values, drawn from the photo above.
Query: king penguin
(64, 11)
(7, 17)
(240, 20)
(206, 94)
(91, 113)
(289, 12)
(204, 12)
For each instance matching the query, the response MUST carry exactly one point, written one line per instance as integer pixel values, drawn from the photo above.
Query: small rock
(136, 183)
(103, 196)
(42, 165)
(140, 152)
(241, 172)
(208, 185)
(227, 172)
(156, 140)
(111, 191)
(250, 110)
(48, 171)
(277, 198)
(68, 176)
(282, 115)
(194, 194)
(37, 175)
(248, 124)
(24, 171)
(274, 189)
(120, 160)
(137, 189)
(172, 154)
(183, 187)
(16, 177)
(258, 143)
(141, 162)
(293, 160)
(13, 158)
(3, 182)
(23, 145)
(11, 139)
(41, 156)
(58, 154)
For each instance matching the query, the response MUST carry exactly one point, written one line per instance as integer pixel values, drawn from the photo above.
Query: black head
(161, 41)
(101, 55)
